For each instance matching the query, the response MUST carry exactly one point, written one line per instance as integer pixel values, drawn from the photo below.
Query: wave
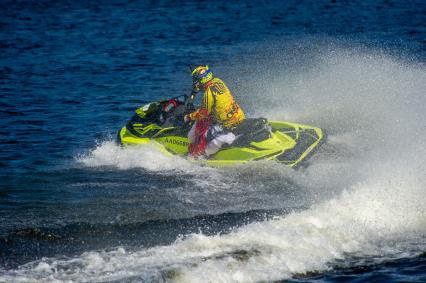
(379, 218)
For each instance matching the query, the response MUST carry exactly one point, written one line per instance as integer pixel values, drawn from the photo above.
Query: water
(75, 207)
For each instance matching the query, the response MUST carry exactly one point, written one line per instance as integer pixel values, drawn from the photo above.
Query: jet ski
(162, 122)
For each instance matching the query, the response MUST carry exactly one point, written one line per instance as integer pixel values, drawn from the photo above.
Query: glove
(196, 88)
(186, 118)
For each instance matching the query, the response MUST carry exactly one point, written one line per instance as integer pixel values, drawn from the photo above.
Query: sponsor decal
(175, 142)
(218, 88)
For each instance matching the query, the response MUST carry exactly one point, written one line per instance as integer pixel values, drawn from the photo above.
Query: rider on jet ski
(218, 115)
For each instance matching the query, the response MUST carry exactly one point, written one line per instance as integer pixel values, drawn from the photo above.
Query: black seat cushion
(252, 130)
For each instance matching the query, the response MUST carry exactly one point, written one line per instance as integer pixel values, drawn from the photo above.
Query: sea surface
(75, 207)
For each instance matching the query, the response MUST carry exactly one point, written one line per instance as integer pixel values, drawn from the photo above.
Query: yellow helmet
(200, 76)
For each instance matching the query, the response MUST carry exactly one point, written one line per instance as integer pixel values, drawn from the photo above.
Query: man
(217, 116)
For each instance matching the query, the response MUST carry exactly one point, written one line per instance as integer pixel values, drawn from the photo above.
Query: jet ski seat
(251, 129)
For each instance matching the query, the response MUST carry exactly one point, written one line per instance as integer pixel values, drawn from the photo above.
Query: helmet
(200, 76)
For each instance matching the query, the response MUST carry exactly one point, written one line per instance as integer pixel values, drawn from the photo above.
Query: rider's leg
(214, 145)
(191, 133)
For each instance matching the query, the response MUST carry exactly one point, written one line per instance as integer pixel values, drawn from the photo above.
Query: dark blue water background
(71, 72)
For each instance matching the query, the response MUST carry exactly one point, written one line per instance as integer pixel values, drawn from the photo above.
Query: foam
(147, 156)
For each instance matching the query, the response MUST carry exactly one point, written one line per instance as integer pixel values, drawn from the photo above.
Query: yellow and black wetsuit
(220, 104)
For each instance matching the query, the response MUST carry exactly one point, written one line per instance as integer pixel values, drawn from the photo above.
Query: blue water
(74, 206)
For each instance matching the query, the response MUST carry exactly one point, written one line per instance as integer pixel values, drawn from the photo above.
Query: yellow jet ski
(257, 139)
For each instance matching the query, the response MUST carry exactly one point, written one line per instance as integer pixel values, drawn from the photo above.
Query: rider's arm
(207, 104)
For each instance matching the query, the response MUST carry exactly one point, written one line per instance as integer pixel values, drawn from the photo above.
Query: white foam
(147, 156)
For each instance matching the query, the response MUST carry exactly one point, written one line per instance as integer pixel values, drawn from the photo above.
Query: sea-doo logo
(176, 142)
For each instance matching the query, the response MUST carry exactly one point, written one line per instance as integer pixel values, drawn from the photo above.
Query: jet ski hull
(288, 143)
